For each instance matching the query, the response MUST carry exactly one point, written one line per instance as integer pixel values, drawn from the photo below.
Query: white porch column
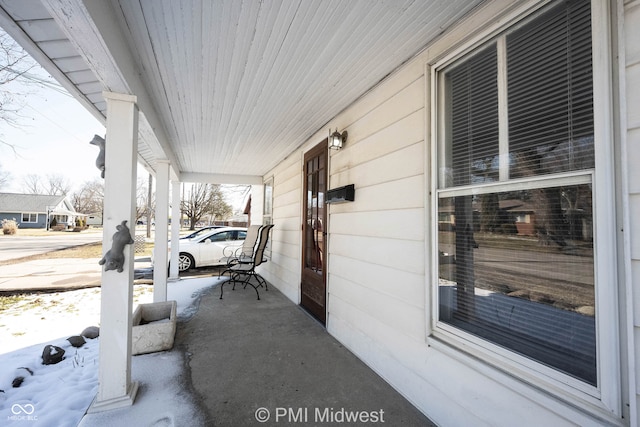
(257, 204)
(162, 234)
(115, 389)
(175, 230)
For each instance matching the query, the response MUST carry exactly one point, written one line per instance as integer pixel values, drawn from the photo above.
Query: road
(17, 246)
(64, 273)
(562, 277)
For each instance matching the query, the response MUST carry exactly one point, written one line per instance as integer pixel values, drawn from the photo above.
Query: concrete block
(154, 327)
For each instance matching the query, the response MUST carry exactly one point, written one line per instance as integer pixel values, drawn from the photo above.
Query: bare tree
(237, 192)
(53, 184)
(15, 65)
(32, 184)
(5, 177)
(204, 199)
(219, 209)
(144, 204)
(150, 205)
(89, 198)
(57, 184)
(194, 204)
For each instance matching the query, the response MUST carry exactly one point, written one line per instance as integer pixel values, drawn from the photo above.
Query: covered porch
(251, 92)
(267, 362)
(212, 92)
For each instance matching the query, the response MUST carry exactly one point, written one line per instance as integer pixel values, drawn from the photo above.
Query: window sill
(558, 393)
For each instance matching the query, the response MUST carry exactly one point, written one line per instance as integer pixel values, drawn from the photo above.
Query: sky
(58, 395)
(52, 138)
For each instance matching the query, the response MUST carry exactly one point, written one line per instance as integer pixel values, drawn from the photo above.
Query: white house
(451, 109)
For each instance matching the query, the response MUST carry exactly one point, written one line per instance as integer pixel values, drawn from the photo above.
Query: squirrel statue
(114, 258)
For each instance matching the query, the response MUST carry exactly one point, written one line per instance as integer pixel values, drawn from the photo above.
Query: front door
(314, 295)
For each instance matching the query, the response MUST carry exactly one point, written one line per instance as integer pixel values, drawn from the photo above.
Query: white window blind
(550, 92)
(515, 209)
(474, 117)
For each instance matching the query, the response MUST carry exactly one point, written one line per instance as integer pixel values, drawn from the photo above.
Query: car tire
(185, 262)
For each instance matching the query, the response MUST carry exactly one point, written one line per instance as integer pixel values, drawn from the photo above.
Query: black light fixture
(336, 139)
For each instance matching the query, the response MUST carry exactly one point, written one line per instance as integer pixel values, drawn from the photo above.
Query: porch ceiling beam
(217, 178)
(92, 27)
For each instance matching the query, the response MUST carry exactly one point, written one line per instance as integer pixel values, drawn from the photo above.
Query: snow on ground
(41, 317)
(59, 395)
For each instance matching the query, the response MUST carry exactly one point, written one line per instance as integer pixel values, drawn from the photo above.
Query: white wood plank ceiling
(226, 87)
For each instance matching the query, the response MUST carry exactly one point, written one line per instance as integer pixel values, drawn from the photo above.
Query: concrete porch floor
(268, 359)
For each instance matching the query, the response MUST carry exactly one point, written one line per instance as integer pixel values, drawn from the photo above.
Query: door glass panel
(313, 286)
(315, 194)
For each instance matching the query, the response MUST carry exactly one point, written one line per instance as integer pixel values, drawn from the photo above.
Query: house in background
(31, 210)
(445, 104)
(94, 219)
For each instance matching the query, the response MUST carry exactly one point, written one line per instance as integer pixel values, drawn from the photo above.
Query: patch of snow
(59, 395)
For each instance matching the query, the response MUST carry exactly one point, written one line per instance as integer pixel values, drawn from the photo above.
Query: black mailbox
(342, 194)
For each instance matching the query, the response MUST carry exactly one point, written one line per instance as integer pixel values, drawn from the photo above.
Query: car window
(241, 235)
(220, 237)
(199, 232)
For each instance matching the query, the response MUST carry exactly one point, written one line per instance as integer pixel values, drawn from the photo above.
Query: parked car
(208, 248)
(201, 231)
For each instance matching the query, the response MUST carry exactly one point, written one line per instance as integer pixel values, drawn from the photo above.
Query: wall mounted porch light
(336, 139)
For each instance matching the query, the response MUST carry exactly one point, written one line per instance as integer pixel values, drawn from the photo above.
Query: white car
(209, 249)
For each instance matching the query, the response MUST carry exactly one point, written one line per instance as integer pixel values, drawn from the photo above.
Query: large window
(515, 193)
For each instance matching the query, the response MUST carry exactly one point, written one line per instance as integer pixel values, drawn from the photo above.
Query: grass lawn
(93, 250)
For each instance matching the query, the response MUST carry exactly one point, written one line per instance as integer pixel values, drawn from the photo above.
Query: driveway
(17, 246)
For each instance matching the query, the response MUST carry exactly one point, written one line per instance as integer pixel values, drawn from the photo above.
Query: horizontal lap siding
(387, 307)
(284, 269)
(404, 163)
(376, 248)
(378, 266)
(375, 337)
(376, 244)
(398, 284)
(632, 81)
(440, 385)
(399, 254)
(401, 224)
(377, 254)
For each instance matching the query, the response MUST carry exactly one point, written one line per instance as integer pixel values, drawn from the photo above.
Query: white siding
(632, 81)
(378, 295)
(283, 270)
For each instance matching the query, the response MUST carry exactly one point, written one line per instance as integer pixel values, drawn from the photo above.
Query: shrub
(9, 226)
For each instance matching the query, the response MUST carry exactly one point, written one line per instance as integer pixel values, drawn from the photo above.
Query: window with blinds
(514, 194)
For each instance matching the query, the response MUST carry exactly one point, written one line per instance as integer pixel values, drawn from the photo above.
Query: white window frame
(605, 399)
(267, 210)
(29, 216)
